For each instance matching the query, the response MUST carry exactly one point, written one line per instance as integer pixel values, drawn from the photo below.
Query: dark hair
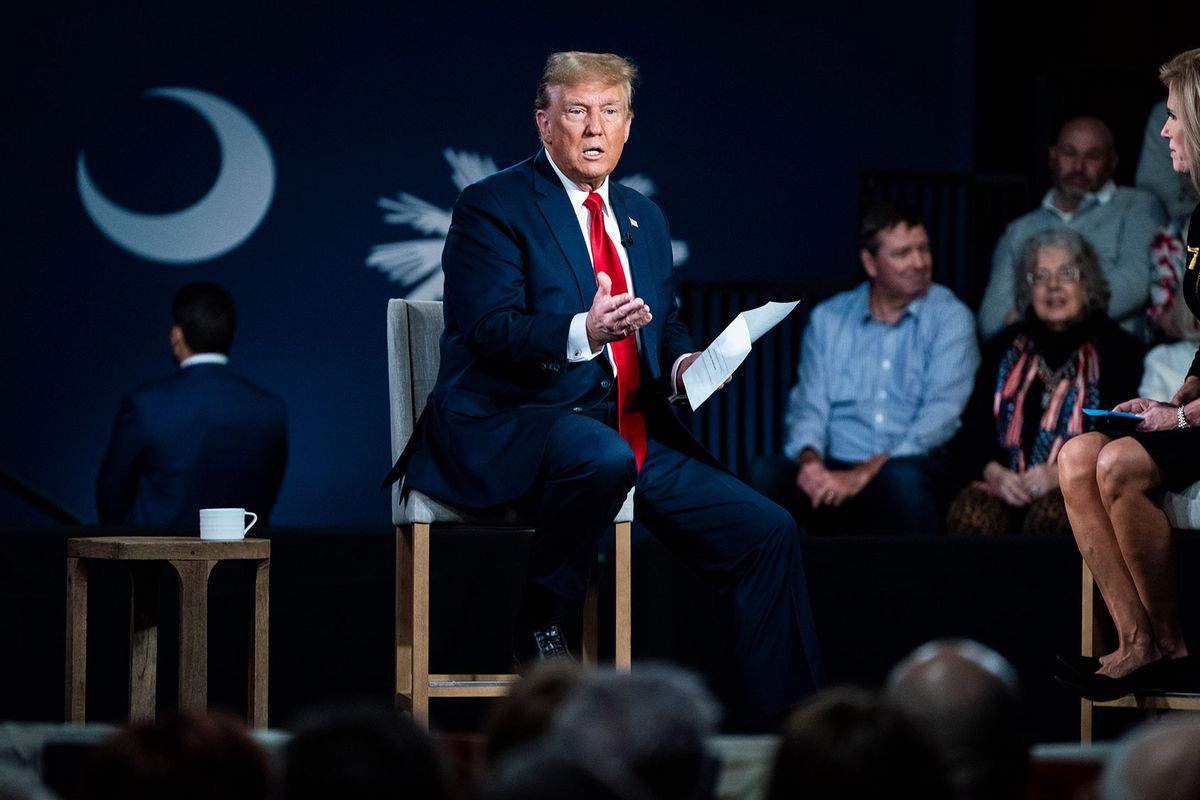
(845, 743)
(204, 312)
(883, 216)
(522, 716)
(364, 753)
(191, 756)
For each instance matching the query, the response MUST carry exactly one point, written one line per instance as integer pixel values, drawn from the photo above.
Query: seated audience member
(652, 721)
(1159, 760)
(1166, 311)
(1065, 355)
(1119, 222)
(1166, 365)
(550, 773)
(1155, 173)
(846, 744)
(202, 438)
(965, 699)
(363, 754)
(522, 716)
(190, 756)
(885, 371)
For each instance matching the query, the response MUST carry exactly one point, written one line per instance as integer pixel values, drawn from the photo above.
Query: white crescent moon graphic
(219, 221)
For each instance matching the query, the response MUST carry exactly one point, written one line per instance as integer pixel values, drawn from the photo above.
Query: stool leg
(76, 699)
(257, 672)
(420, 617)
(623, 554)
(143, 638)
(193, 632)
(590, 651)
(404, 618)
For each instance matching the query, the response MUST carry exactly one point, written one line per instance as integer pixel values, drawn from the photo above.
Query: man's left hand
(687, 361)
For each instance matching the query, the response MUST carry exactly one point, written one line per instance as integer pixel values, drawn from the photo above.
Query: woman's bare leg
(1130, 483)
(1098, 544)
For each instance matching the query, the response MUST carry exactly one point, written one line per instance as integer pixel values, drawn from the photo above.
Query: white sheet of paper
(727, 352)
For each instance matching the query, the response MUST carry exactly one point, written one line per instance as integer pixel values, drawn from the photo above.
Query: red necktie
(630, 420)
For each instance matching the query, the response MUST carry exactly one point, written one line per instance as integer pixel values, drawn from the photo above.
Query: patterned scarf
(1068, 390)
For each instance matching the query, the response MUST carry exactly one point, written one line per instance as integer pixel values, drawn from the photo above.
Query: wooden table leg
(76, 693)
(193, 632)
(256, 701)
(143, 639)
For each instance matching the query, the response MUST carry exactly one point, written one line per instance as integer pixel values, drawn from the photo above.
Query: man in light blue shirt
(885, 371)
(1118, 221)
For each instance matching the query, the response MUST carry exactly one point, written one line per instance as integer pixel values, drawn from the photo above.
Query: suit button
(544, 366)
(577, 409)
(604, 384)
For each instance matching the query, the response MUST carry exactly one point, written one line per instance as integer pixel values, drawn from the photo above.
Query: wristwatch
(1181, 420)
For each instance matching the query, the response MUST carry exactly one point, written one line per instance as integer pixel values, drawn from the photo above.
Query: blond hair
(1182, 73)
(574, 67)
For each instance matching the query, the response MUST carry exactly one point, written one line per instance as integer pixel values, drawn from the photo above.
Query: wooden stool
(193, 560)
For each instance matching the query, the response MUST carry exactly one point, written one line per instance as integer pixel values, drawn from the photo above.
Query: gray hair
(1156, 761)
(653, 720)
(1080, 254)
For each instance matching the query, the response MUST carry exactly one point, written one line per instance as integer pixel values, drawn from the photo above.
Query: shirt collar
(577, 195)
(204, 358)
(1101, 197)
(864, 301)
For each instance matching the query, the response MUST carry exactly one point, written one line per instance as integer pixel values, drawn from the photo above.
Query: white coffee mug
(225, 523)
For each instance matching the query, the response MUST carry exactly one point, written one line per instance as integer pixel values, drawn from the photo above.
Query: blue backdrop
(747, 125)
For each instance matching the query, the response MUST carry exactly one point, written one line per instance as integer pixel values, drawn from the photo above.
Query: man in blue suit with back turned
(202, 438)
(562, 351)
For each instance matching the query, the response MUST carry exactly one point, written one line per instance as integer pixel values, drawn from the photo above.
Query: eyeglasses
(1065, 274)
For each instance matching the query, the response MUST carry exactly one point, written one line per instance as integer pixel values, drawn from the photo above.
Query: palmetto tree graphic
(416, 264)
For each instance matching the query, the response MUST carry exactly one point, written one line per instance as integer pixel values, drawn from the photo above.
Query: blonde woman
(1113, 484)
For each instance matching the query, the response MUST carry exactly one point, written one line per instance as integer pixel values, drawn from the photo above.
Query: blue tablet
(1100, 412)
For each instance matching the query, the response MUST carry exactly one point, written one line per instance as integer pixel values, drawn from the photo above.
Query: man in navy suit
(554, 389)
(202, 438)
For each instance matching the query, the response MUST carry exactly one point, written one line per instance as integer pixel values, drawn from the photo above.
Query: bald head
(1159, 761)
(965, 698)
(1082, 160)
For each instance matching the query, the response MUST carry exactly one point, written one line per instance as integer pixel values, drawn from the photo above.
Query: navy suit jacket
(202, 438)
(517, 271)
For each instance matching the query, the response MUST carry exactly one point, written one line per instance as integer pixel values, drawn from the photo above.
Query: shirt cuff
(677, 396)
(578, 348)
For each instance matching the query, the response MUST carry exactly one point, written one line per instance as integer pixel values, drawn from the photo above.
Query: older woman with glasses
(1037, 377)
(1113, 485)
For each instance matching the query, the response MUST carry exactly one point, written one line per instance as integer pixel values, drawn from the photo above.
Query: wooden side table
(193, 560)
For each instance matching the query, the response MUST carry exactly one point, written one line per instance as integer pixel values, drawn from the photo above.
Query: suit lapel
(643, 278)
(557, 211)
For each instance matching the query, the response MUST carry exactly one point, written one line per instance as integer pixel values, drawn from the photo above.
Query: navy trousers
(743, 544)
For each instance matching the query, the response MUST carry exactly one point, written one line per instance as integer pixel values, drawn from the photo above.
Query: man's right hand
(611, 319)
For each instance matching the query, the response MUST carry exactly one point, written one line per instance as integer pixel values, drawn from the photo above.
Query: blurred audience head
(966, 700)
(1157, 761)
(204, 317)
(360, 753)
(653, 721)
(847, 744)
(540, 772)
(1181, 76)
(1082, 160)
(189, 756)
(524, 715)
(1056, 263)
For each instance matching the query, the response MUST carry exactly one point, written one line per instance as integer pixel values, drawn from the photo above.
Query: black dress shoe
(1101, 688)
(537, 635)
(1071, 665)
(539, 645)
